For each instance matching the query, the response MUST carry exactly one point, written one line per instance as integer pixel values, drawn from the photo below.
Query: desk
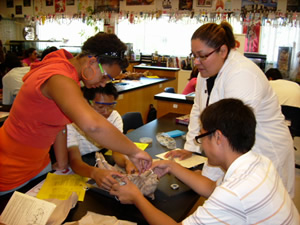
(137, 95)
(172, 103)
(175, 203)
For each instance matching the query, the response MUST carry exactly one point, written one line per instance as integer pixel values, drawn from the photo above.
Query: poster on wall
(60, 6)
(166, 4)
(49, 2)
(139, 2)
(110, 5)
(26, 3)
(250, 5)
(70, 2)
(220, 5)
(83, 5)
(18, 10)
(9, 3)
(185, 4)
(284, 60)
(202, 3)
(293, 5)
(252, 32)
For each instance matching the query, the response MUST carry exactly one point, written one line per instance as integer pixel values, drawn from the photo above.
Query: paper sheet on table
(62, 186)
(97, 219)
(187, 163)
(24, 209)
(142, 146)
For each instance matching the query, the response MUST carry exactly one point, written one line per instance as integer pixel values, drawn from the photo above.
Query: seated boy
(103, 100)
(251, 191)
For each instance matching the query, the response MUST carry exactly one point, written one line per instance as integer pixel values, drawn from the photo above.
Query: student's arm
(68, 96)
(122, 161)
(60, 151)
(200, 184)
(103, 178)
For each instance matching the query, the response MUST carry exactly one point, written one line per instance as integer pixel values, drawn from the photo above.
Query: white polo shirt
(250, 193)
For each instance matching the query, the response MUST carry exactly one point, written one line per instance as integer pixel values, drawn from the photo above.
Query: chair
(169, 90)
(292, 116)
(132, 120)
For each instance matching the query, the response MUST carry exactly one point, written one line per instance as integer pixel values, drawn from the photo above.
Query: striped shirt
(76, 137)
(251, 193)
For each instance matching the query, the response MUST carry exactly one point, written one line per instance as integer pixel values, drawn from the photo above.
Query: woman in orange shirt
(49, 99)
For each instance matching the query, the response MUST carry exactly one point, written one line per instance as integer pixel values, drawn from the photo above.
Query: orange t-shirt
(33, 122)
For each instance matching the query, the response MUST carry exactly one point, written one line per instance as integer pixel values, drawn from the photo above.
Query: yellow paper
(141, 146)
(152, 76)
(62, 186)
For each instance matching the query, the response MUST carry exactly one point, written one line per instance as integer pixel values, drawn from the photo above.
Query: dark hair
(108, 89)
(273, 73)
(47, 51)
(12, 60)
(214, 35)
(28, 52)
(234, 119)
(107, 47)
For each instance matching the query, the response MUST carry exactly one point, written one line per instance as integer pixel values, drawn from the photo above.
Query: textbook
(185, 119)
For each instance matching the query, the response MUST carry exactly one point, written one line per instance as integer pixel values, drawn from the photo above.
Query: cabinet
(161, 72)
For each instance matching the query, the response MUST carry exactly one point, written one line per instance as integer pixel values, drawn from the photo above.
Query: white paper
(187, 163)
(23, 209)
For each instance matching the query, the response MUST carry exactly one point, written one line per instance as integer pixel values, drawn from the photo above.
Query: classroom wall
(38, 7)
(13, 29)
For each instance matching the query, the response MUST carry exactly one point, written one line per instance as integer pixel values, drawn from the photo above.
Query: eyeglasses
(201, 58)
(105, 74)
(197, 138)
(101, 106)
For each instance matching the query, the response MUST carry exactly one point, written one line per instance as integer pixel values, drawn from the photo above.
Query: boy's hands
(128, 193)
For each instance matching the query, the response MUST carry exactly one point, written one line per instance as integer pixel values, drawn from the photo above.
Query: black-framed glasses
(197, 138)
(203, 57)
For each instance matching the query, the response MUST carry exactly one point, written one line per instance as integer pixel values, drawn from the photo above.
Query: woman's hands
(105, 178)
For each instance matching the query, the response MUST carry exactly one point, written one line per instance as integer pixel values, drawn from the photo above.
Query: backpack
(151, 114)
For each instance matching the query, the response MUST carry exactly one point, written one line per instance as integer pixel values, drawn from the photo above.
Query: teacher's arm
(69, 98)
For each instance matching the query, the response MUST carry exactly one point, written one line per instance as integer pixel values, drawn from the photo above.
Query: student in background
(225, 73)
(30, 56)
(103, 101)
(13, 80)
(251, 192)
(191, 85)
(288, 92)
